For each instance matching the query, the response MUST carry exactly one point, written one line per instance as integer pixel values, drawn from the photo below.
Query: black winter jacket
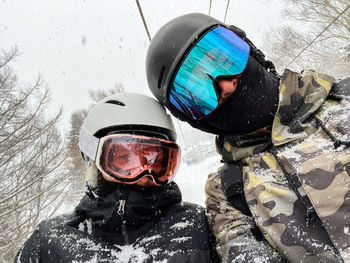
(129, 225)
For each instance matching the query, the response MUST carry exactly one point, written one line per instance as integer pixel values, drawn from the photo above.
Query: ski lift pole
(228, 3)
(210, 7)
(143, 20)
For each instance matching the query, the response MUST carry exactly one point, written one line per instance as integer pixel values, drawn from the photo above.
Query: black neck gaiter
(253, 104)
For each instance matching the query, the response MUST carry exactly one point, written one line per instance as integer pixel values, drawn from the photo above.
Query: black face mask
(253, 104)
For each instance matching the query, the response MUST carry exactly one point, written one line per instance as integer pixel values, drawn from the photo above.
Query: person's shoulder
(55, 222)
(193, 207)
(192, 211)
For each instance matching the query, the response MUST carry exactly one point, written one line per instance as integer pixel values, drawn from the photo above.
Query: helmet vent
(116, 102)
(161, 77)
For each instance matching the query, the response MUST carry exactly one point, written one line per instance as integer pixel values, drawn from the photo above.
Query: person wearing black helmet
(283, 191)
(133, 211)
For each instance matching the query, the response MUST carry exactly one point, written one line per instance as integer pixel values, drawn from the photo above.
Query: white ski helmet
(125, 112)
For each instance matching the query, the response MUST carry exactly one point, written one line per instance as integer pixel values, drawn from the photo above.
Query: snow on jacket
(294, 181)
(129, 225)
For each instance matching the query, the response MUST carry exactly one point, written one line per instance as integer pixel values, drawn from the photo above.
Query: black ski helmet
(169, 47)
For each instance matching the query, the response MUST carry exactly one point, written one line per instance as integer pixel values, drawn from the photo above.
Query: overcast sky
(78, 45)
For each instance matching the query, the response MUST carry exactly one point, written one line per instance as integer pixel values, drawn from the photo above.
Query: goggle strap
(239, 32)
(88, 143)
(255, 52)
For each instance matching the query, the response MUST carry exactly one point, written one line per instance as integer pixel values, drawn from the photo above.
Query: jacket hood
(300, 98)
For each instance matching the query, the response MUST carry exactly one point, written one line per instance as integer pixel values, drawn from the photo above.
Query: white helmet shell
(126, 112)
(129, 111)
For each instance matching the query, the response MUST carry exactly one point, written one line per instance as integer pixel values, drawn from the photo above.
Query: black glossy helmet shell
(168, 47)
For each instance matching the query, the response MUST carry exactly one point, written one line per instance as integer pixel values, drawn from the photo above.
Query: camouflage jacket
(295, 183)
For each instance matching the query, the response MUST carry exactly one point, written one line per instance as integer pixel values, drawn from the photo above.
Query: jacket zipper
(120, 212)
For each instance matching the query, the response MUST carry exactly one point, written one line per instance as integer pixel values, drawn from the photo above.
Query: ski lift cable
(228, 3)
(186, 144)
(149, 37)
(210, 7)
(317, 36)
(143, 19)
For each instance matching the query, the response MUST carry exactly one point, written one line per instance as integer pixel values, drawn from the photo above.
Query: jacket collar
(141, 205)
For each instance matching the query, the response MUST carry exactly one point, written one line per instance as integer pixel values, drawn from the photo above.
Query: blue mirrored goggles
(218, 52)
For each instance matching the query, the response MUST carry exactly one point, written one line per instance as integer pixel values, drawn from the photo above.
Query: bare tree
(74, 161)
(32, 181)
(329, 21)
(99, 94)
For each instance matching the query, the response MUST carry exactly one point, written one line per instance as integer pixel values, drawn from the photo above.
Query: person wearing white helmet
(133, 211)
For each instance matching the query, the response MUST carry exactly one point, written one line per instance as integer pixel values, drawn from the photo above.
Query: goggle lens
(218, 52)
(127, 158)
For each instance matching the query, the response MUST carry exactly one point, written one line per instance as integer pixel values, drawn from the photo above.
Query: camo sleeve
(232, 229)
